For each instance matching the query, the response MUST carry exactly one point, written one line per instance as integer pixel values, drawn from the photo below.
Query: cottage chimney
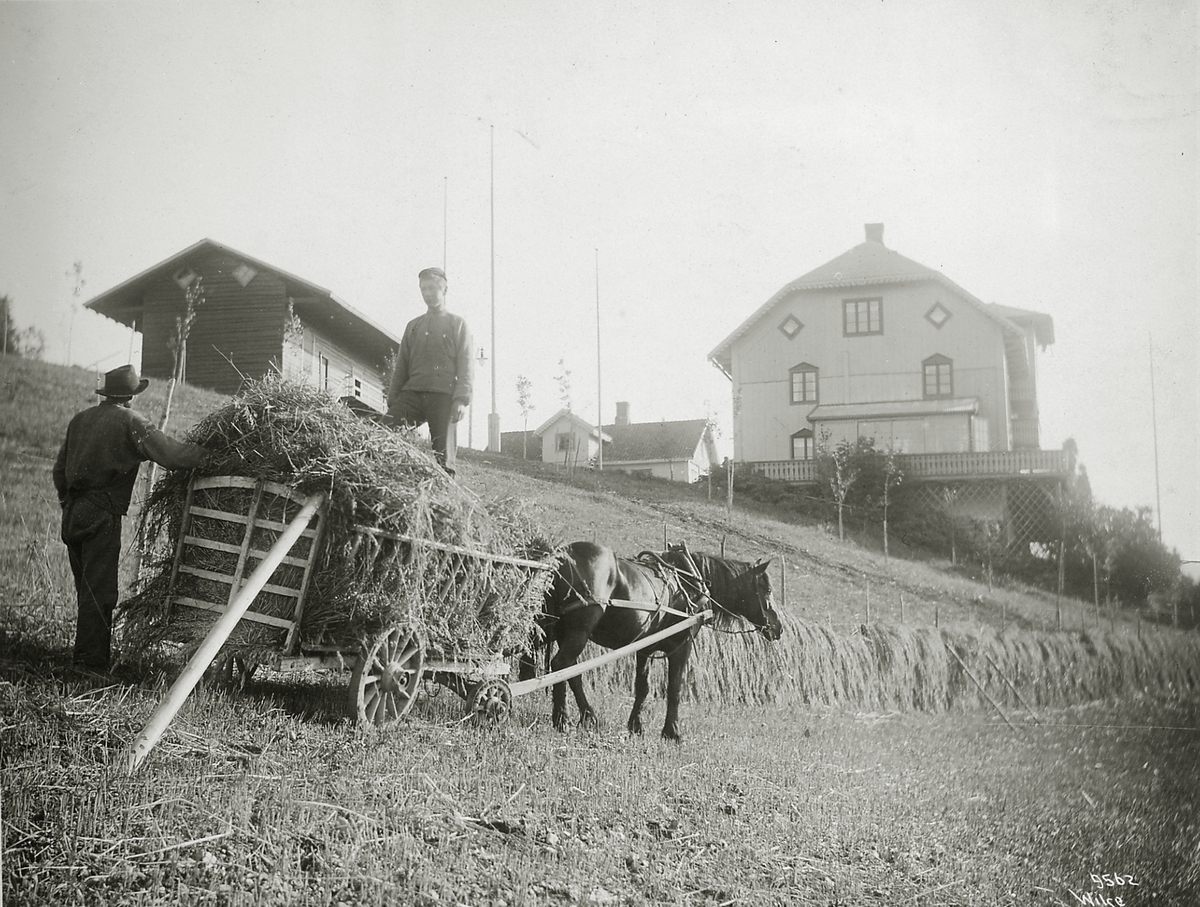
(874, 233)
(622, 413)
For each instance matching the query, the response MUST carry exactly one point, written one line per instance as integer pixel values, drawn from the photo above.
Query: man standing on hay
(432, 381)
(94, 474)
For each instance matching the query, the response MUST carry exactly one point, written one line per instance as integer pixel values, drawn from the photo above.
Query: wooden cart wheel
(386, 678)
(490, 700)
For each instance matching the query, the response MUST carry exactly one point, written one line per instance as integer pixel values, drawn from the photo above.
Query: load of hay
(360, 582)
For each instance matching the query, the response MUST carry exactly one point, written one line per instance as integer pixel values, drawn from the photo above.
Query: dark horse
(664, 589)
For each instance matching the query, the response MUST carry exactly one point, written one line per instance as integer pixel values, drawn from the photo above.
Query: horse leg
(676, 668)
(641, 688)
(571, 640)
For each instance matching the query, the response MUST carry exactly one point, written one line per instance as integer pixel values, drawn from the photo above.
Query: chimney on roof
(622, 413)
(874, 233)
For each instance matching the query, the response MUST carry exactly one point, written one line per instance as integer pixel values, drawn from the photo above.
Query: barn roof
(124, 303)
(871, 263)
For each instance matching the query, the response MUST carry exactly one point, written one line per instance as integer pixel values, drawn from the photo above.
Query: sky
(667, 165)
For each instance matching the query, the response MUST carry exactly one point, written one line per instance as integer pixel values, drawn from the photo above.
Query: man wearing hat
(94, 474)
(432, 381)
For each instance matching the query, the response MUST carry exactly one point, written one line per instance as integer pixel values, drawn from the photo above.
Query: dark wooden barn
(251, 319)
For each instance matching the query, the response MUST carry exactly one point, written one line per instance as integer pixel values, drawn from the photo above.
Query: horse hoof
(635, 728)
(589, 720)
(671, 736)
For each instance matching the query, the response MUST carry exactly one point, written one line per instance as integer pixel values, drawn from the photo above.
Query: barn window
(862, 316)
(803, 381)
(802, 444)
(563, 441)
(939, 376)
(243, 273)
(184, 277)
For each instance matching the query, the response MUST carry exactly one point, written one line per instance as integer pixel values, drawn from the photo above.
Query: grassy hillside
(861, 630)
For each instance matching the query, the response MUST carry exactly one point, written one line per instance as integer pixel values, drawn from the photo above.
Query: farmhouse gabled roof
(641, 442)
(575, 420)
(1042, 324)
(315, 304)
(868, 264)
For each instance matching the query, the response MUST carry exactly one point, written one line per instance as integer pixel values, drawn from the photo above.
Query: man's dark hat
(432, 272)
(123, 382)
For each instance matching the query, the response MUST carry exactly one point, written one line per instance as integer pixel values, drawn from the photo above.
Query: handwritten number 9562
(1114, 880)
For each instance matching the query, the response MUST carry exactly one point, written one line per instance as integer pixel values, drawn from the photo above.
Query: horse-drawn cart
(263, 551)
(219, 545)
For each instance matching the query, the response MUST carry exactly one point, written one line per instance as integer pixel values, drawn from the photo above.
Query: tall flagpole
(493, 416)
(1154, 425)
(599, 399)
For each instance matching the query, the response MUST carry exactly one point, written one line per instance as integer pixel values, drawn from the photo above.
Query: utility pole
(493, 416)
(1154, 426)
(599, 399)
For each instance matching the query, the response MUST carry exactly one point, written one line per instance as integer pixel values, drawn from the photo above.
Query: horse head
(757, 602)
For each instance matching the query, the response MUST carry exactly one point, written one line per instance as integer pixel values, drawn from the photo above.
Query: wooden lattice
(1008, 517)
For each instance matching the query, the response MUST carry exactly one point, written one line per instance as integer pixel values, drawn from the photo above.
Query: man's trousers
(93, 539)
(413, 408)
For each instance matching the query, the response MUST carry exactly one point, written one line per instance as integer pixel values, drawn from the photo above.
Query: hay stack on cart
(401, 562)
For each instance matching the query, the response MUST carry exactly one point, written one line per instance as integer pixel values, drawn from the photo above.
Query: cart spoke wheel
(490, 700)
(386, 679)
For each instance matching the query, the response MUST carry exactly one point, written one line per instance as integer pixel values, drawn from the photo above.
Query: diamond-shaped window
(791, 326)
(938, 315)
(244, 273)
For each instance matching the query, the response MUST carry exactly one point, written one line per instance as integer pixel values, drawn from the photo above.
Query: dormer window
(861, 317)
(938, 377)
(803, 380)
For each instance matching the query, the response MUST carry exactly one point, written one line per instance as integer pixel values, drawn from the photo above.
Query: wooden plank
(228, 580)
(221, 515)
(234, 549)
(255, 616)
(521, 687)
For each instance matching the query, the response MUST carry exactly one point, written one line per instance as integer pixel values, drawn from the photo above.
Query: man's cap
(122, 381)
(432, 272)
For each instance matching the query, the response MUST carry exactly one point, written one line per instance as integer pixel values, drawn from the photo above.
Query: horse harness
(674, 578)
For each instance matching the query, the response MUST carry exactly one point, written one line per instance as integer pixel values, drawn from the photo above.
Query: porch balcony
(992, 464)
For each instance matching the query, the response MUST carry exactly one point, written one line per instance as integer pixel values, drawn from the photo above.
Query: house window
(862, 316)
(562, 442)
(938, 315)
(802, 444)
(939, 376)
(791, 326)
(804, 383)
